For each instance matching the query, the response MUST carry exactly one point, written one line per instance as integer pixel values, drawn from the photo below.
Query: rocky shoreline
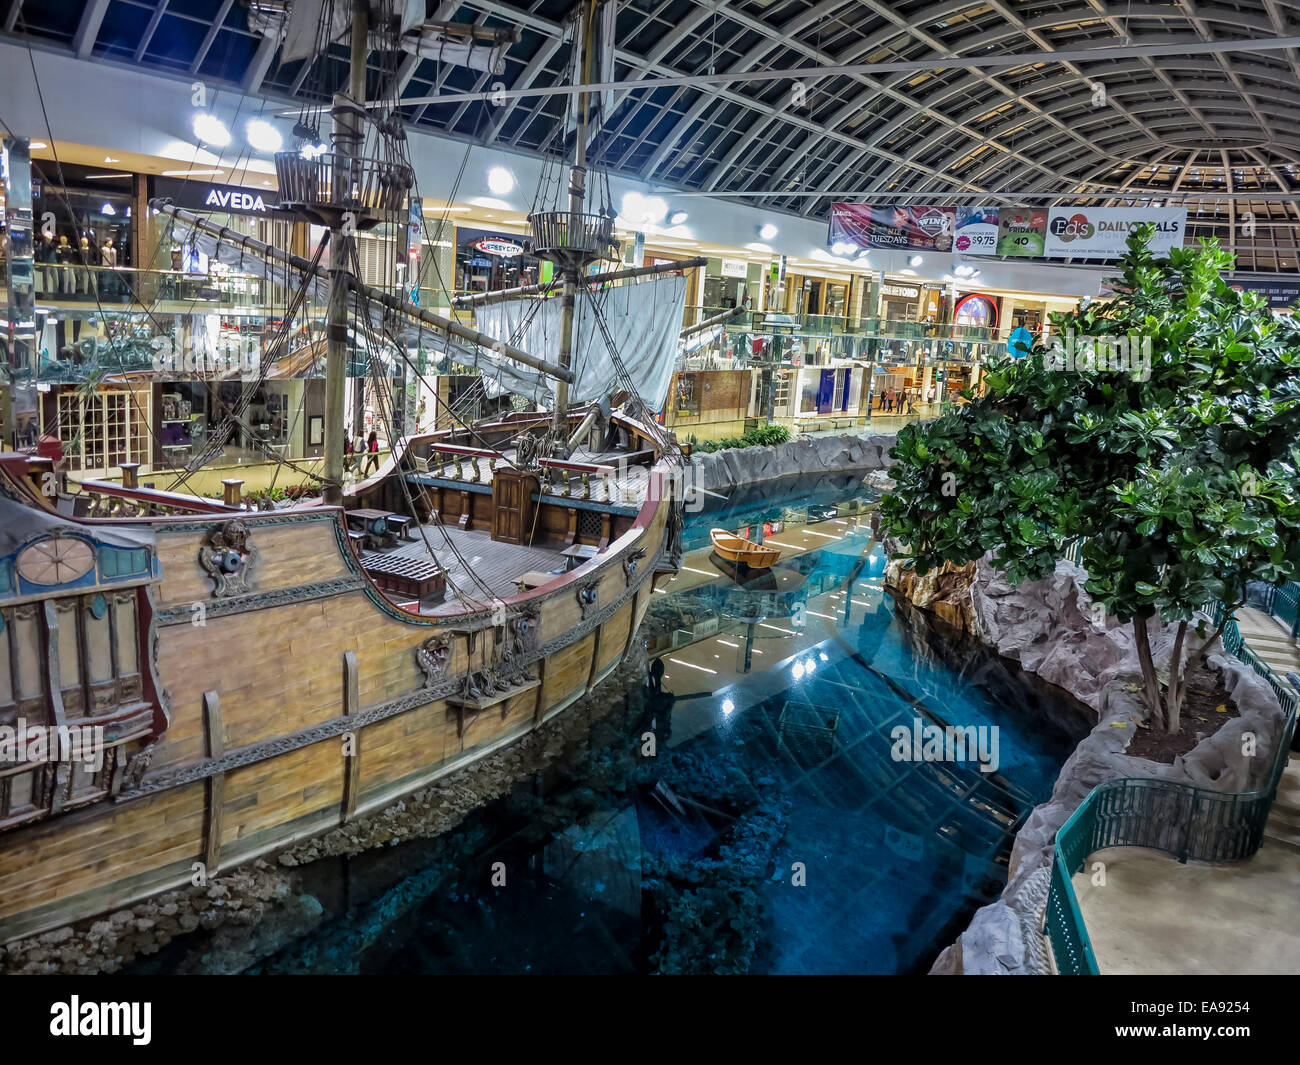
(1049, 628)
(803, 456)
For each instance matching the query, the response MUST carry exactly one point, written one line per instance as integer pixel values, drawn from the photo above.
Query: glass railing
(750, 336)
(92, 286)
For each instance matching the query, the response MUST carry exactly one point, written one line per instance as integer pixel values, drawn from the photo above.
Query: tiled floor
(1155, 916)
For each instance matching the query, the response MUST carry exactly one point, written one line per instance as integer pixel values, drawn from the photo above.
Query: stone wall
(805, 455)
(1049, 627)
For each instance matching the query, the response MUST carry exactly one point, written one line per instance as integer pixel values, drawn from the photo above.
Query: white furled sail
(642, 321)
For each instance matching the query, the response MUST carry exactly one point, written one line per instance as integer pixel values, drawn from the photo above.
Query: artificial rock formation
(805, 455)
(1049, 627)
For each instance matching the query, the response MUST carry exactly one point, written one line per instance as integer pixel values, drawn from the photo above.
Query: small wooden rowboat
(737, 549)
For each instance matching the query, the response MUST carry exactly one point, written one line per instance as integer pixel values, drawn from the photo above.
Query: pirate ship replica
(259, 677)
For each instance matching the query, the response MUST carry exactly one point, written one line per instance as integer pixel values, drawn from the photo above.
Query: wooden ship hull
(257, 685)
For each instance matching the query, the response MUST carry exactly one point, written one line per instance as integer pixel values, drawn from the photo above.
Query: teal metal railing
(1184, 821)
(1284, 604)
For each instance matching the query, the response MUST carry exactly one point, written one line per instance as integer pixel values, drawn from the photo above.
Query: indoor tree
(1156, 431)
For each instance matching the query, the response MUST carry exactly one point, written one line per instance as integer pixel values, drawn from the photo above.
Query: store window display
(487, 261)
(79, 211)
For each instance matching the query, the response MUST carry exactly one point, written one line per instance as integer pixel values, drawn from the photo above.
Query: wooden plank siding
(271, 668)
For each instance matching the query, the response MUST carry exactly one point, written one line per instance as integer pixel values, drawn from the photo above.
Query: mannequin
(46, 255)
(108, 260)
(84, 280)
(65, 255)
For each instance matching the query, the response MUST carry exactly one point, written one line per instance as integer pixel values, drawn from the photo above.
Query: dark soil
(1205, 710)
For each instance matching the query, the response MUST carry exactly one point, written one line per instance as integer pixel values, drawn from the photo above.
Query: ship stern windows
(79, 700)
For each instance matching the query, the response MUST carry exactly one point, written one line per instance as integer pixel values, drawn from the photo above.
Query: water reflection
(746, 808)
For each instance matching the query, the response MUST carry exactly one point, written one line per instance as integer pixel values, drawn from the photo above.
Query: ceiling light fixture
(915, 260)
(210, 130)
(677, 218)
(500, 181)
(767, 231)
(263, 136)
(638, 210)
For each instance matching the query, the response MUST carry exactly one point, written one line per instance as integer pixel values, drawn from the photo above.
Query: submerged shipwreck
(238, 680)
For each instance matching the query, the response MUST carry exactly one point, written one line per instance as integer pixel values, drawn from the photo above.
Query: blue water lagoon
(811, 778)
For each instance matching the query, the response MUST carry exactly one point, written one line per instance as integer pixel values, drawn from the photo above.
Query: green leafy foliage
(1180, 480)
(760, 436)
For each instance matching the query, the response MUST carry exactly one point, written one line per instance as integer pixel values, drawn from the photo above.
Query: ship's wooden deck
(495, 564)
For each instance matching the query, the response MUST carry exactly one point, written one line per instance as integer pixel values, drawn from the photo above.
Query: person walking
(372, 454)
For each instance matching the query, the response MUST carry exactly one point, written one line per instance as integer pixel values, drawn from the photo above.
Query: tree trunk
(1177, 685)
(1150, 682)
(1204, 652)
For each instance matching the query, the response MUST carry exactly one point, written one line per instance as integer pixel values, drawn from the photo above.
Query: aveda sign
(207, 196)
(233, 200)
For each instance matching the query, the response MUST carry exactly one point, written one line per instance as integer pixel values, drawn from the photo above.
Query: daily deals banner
(1100, 232)
(903, 228)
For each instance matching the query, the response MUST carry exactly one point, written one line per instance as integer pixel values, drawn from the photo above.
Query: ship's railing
(565, 233)
(1170, 816)
(445, 461)
(111, 500)
(340, 182)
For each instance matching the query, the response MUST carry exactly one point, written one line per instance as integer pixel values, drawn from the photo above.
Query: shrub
(760, 436)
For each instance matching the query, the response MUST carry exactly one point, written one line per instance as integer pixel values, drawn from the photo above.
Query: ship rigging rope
(402, 154)
(383, 402)
(133, 293)
(277, 350)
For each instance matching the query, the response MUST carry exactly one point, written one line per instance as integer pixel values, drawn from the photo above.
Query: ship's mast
(577, 196)
(348, 139)
(574, 239)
